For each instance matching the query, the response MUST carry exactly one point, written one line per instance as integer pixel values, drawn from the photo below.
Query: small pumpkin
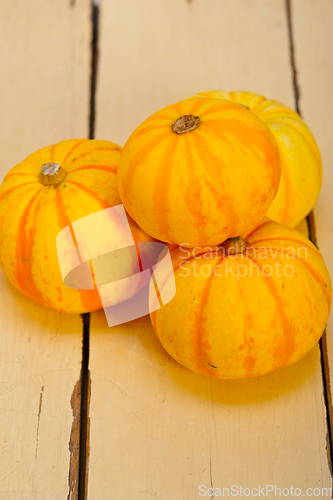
(247, 307)
(301, 166)
(36, 206)
(199, 171)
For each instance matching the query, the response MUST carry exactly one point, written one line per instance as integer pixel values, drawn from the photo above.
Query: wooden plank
(44, 98)
(313, 39)
(45, 62)
(157, 429)
(152, 55)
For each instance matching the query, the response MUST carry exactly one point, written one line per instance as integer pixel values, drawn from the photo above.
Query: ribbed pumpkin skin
(226, 327)
(31, 216)
(301, 166)
(205, 185)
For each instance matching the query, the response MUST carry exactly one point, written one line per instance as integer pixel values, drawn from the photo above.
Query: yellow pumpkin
(301, 167)
(244, 308)
(35, 207)
(198, 172)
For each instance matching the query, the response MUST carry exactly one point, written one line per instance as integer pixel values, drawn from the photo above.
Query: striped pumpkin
(301, 167)
(245, 308)
(199, 172)
(32, 214)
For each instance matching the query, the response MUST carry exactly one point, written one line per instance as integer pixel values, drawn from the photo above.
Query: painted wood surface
(44, 98)
(156, 429)
(313, 40)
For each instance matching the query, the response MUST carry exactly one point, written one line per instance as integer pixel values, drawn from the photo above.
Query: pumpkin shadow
(29, 312)
(278, 383)
(243, 391)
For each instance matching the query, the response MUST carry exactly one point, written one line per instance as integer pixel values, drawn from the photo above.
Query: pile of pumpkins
(222, 178)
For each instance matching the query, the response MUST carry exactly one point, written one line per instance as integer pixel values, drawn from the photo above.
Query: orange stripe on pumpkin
(233, 96)
(257, 104)
(140, 158)
(21, 174)
(63, 219)
(219, 108)
(249, 361)
(23, 275)
(158, 295)
(177, 108)
(193, 197)
(252, 139)
(314, 152)
(285, 346)
(162, 188)
(318, 277)
(276, 110)
(90, 299)
(200, 344)
(145, 130)
(93, 194)
(15, 187)
(107, 168)
(247, 235)
(195, 108)
(285, 241)
(71, 150)
(288, 187)
(217, 174)
(35, 164)
(89, 152)
(138, 254)
(92, 273)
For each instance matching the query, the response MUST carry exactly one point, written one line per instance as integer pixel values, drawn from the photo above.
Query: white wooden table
(147, 426)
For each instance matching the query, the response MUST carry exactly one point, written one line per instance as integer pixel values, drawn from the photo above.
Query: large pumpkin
(199, 171)
(36, 206)
(301, 167)
(244, 314)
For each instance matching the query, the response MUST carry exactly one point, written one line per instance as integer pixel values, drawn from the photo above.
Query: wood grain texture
(44, 98)
(152, 55)
(157, 429)
(313, 40)
(45, 62)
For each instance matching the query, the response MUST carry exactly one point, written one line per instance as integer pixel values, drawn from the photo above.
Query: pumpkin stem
(234, 245)
(51, 174)
(185, 123)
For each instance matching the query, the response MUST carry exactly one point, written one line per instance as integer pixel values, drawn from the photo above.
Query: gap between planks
(84, 412)
(79, 441)
(312, 232)
(79, 438)
(85, 373)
